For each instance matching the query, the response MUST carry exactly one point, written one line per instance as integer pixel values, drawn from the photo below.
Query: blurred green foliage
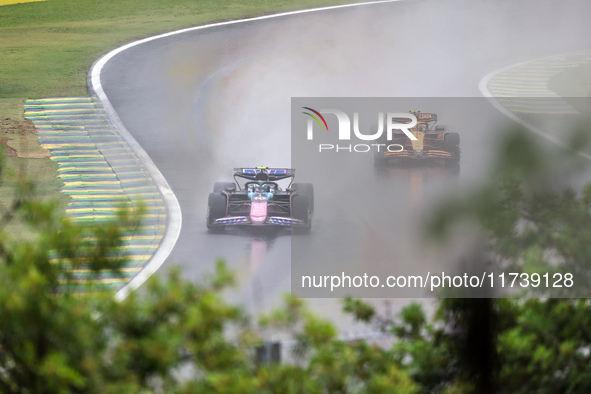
(170, 336)
(536, 218)
(177, 336)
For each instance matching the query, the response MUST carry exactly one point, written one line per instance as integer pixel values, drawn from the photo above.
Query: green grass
(42, 172)
(572, 82)
(11, 108)
(47, 49)
(20, 135)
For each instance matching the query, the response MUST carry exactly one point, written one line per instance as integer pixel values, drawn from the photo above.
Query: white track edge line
(483, 87)
(173, 207)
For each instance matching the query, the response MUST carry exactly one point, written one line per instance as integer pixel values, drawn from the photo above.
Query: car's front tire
(216, 208)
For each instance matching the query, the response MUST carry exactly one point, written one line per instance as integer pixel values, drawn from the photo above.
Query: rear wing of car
(425, 117)
(422, 117)
(264, 173)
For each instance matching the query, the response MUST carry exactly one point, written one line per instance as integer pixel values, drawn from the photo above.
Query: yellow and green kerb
(101, 175)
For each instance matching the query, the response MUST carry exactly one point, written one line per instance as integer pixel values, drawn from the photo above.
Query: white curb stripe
(483, 87)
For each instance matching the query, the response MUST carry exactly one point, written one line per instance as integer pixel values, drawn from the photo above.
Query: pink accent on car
(258, 211)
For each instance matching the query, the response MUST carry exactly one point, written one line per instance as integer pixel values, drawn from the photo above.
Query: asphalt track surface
(203, 102)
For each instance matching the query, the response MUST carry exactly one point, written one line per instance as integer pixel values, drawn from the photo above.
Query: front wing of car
(424, 154)
(270, 221)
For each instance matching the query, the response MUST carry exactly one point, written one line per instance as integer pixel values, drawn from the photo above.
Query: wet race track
(203, 102)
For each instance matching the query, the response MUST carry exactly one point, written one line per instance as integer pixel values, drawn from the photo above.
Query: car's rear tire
(305, 189)
(451, 144)
(216, 208)
(218, 187)
(301, 209)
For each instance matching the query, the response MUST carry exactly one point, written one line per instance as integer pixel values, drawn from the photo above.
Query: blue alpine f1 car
(260, 201)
